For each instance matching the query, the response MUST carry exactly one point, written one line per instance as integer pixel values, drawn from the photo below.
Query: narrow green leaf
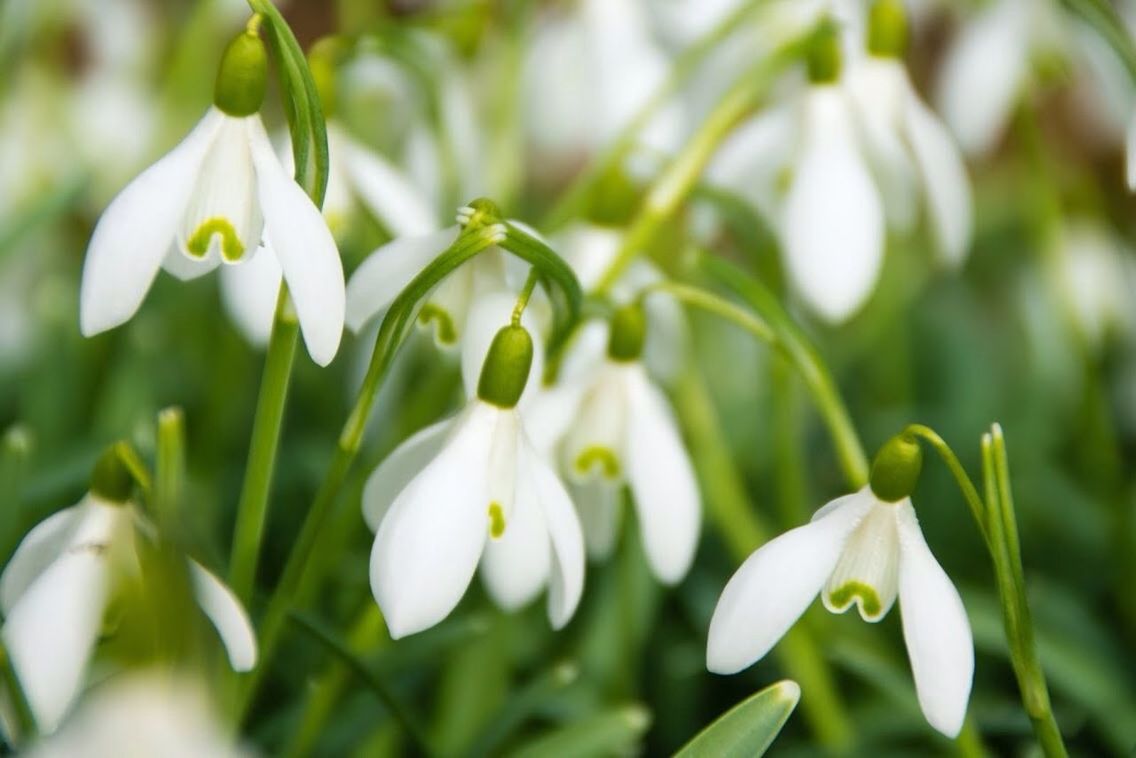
(749, 728)
(611, 733)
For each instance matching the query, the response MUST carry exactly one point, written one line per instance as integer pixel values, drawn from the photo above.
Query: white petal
(588, 249)
(775, 585)
(549, 412)
(979, 80)
(515, 565)
(585, 352)
(428, 545)
(566, 582)
(935, 628)
(304, 248)
(36, 551)
(662, 479)
(600, 505)
(595, 443)
(867, 573)
(227, 615)
(387, 192)
(833, 225)
(753, 159)
(136, 230)
(388, 270)
(945, 183)
(399, 468)
(487, 316)
(178, 264)
(249, 291)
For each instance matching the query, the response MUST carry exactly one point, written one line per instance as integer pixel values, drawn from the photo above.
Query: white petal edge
(249, 290)
(398, 469)
(136, 231)
(227, 615)
(515, 566)
(39, 548)
(386, 191)
(662, 479)
(775, 585)
(304, 248)
(945, 183)
(428, 545)
(936, 629)
(387, 271)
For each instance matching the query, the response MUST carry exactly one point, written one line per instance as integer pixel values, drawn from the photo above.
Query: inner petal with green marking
(867, 574)
(232, 249)
(445, 331)
(598, 458)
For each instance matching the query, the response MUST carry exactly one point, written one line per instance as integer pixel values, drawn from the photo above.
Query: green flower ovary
(231, 246)
(843, 596)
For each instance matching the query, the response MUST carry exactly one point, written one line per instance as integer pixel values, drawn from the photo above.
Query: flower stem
(525, 294)
(1005, 549)
(253, 505)
(969, 491)
(169, 471)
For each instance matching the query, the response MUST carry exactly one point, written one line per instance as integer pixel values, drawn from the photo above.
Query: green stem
(253, 506)
(525, 294)
(969, 491)
(169, 472)
(1006, 552)
(711, 303)
(572, 203)
(678, 179)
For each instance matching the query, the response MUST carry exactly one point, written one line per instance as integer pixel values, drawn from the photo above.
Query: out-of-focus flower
(864, 549)
(141, 715)
(215, 195)
(472, 490)
(1097, 275)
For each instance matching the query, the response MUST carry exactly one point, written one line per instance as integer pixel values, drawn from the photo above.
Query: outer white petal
(304, 248)
(431, 539)
(386, 191)
(515, 565)
(662, 479)
(833, 227)
(755, 156)
(399, 468)
(935, 628)
(586, 352)
(37, 550)
(979, 80)
(566, 581)
(549, 413)
(1130, 153)
(249, 291)
(945, 183)
(136, 231)
(488, 314)
(388, 270)
(227, 615)
(775, 585)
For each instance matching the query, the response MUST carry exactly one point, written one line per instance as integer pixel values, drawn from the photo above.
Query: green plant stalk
(680, 176)
(793, 344)
(728, 506)
(969, 492)
(1005, 550)
(169, 473)
(575, 198)
(252, 508)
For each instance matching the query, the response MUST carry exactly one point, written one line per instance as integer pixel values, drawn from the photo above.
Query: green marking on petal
(842, 597)
(597, 455)
(199, 241)
(444, 330)
(496, 521)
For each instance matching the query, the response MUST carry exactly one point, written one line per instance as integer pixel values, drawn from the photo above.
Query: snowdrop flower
(1098, 281)
(210, 202)
(913, 154)
(472, 490)
(622, 430)
(145, 713)
(56, 589)
(864, 549)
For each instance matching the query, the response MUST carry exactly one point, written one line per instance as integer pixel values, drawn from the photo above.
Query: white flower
(913, 154)
(1097, 279)
(857, 550)
(143, 714)
(55, 590)
(212, 200)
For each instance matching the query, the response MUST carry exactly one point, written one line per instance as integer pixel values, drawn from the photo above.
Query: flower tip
(721, 658)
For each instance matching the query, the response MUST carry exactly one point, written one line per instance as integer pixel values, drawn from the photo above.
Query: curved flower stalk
(210, 202)
(56, 590)
(154, 712)
(471, 491)
(865, 549)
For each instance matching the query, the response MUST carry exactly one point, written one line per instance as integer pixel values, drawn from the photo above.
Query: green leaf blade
(749, 728)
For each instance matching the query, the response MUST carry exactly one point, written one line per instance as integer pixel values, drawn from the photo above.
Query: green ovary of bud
(824, 57)
(628, 333)
(895, 471)
(111, 480)
(887, 29)
(243, 76)
(506, 369)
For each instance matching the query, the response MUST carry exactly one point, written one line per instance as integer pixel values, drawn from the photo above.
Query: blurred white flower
(858, 550)
(472, 490)
(142, 715)
(1097, 276)
(210, 201)
(56, 589)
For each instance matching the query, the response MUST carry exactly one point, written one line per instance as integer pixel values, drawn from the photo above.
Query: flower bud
(506, 369)
(243, 75)
(824, 55)
(628, 332)
(111, 480)
(895, 471)
(887, 29)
